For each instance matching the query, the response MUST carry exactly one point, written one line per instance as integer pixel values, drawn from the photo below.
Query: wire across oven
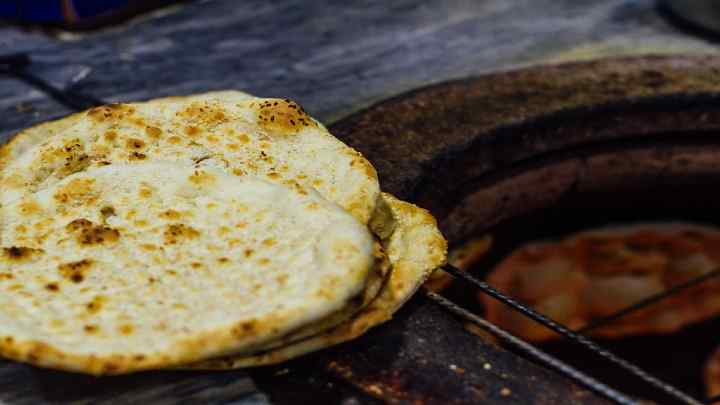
(575, 337)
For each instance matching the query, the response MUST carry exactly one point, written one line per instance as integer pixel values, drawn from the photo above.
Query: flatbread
(237, 135)
(148, 265)
(415, 248)
(273, 139)
(377, 278)
(597, 273)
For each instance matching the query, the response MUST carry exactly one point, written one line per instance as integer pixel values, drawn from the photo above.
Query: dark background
(331, 56)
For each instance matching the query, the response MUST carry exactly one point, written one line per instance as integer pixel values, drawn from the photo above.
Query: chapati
(134, 266)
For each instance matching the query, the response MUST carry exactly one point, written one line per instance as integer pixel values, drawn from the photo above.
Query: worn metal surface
(425, 356)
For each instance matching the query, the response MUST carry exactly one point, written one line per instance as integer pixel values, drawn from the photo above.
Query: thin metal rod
(550, 361)
(648, 301)
(575, 337)
(14, 65)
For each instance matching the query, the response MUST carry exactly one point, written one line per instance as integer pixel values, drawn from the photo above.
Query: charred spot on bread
(175, 233)
(19, 253)
(283, 117)
(87, 233)
(75, 271)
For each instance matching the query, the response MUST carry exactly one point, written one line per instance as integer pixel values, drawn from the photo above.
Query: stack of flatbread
(213, 231)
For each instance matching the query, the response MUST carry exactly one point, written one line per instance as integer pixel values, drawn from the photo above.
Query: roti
(128, 267)
(242, 135)
(415, 247)
(595, 274)
(377, 278)
(230, 142)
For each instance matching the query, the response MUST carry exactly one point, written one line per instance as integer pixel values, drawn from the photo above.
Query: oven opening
(621, 195)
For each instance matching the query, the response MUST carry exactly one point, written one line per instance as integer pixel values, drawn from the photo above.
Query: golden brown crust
(32, 136)
(283, 117)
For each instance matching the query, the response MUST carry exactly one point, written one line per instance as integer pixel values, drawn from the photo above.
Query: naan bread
(594, 274)
(231, 131)
(148, 265)
(377, 278)
(230, 136)
(415, 248)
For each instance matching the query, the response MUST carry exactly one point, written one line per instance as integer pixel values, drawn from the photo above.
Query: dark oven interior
(545, 152)
(666, 177)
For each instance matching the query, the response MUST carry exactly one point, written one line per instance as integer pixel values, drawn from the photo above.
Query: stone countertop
(332, 57)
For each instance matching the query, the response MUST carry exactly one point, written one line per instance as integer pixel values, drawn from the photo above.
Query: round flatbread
(595, 274)
(273, 139)
(148, 265)
(235, 134)
(415, 247)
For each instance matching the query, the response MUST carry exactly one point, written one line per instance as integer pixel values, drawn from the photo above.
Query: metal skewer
(573, 336)
(556, 364)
